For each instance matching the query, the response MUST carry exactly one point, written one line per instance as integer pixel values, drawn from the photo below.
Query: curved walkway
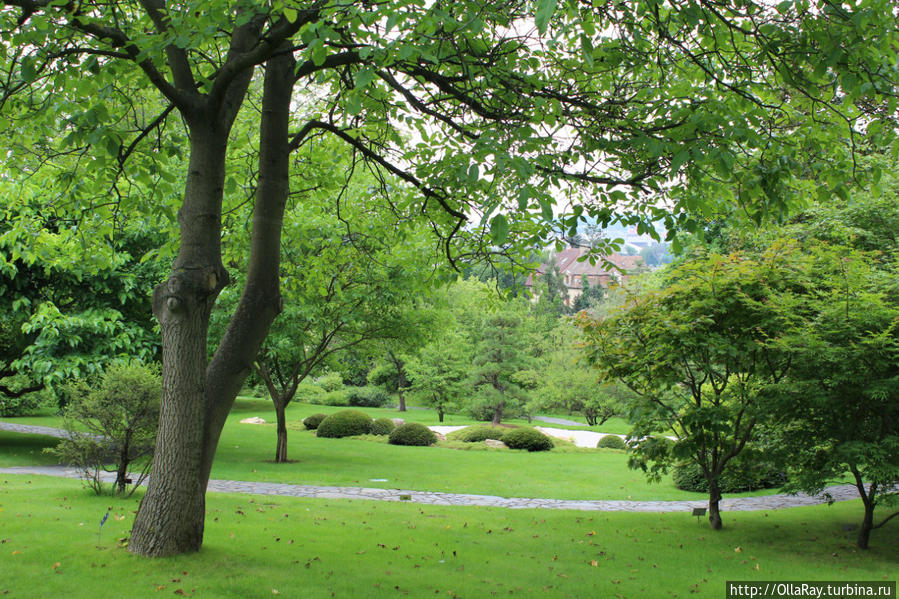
(765, 502)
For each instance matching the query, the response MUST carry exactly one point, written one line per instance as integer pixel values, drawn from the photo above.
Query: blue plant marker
(102, 522)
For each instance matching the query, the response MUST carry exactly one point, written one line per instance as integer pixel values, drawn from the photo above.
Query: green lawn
(285, 547)
(246, 450)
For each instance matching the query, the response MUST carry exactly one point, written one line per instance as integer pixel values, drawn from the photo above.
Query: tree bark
(121, 474)
(170, 519)
(498, 413)
(714, 511)
(197, 396)
(864, 533)
(281, 450)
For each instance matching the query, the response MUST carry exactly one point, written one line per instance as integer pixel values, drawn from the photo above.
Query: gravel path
(765, 502)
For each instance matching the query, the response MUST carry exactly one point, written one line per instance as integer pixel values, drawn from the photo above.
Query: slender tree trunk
(440, 414)
(121, 475)
(714, 511)
(281, 450)
(868, 496)
(864, 533)
(498, 413)
(401, 385)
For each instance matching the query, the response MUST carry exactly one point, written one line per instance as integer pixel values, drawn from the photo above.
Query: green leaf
(678, 160)
(364, 77)
(545, 10)
(290, 14)
(499, 229)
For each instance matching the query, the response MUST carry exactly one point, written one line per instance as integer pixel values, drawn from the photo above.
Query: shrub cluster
(739, 476)
(120, 414)
(308, 392)
(527, 438)
(367, 397)
(382, 426)
(330, 382)
(611, 442)
(345, 423)
(312, 422)
(338, 398)
(476, 434)
(412, 433)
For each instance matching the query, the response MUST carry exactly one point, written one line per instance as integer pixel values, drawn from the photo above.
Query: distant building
(572, 271)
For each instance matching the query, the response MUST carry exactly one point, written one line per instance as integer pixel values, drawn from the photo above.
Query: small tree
(439, 372)
(591, 295)
(571, 384)
(697, 354)
(120, 416)
(838, 412)
(498, 357)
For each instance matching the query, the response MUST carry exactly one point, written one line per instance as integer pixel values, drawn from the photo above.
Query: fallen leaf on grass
(594, 563)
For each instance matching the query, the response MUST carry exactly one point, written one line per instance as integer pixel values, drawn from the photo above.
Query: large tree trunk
(196, 396)
(170, 519)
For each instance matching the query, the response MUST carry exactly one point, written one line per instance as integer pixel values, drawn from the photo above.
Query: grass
(246, 451)
(25, 450)
(271, 546)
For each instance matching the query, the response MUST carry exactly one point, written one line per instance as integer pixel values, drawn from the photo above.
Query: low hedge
(367, 397)
(412, 433)
(527, 438)
(476, 434)
(382, 426)
(345, 423)
(738, 476)
(339, 398)
(611, 442)
(312, 422)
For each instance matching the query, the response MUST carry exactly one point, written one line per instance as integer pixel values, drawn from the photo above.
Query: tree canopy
(490, 112)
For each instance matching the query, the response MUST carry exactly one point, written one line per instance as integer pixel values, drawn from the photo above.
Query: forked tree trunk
(196, 397)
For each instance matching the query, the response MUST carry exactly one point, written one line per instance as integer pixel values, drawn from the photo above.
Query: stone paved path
(765, 502)
(563, 421)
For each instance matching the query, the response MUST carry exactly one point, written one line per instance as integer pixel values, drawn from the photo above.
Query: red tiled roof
(567, 263)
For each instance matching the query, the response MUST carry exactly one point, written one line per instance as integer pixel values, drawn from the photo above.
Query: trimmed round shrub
(312, 422)
(412, 433)
(738, 476)
(345, 423)
(382, 426)
(476, 434)
(611, 442)
(367, 397)
(527, 438)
